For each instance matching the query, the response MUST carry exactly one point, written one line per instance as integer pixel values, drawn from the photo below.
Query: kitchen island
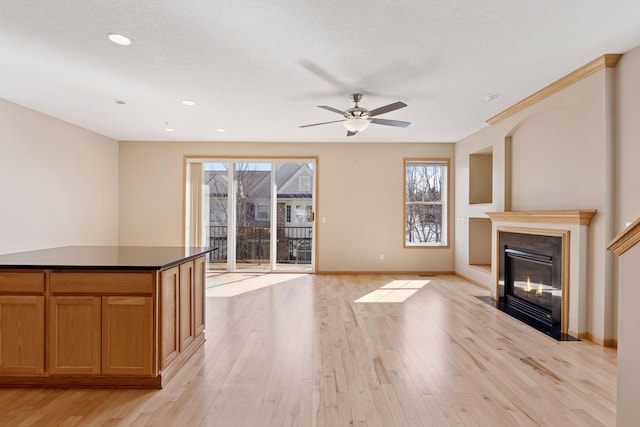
(110, 316)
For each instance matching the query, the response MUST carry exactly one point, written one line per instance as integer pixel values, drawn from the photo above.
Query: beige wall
(628, 134)
(58, 183)
(627, 108)
(628, 410)
(360, 194)
(560, 154)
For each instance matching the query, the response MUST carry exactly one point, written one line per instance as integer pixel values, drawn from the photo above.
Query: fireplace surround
(571, 226)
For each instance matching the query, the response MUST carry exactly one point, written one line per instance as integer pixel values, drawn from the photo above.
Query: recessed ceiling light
(169, 129)
(189, 103)
(119, 39)
(221, 130)
(490, 97)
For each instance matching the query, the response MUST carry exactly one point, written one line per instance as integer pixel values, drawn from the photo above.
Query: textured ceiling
(260, 68)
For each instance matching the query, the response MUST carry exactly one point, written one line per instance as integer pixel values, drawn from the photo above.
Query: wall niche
(480, 243)
(481, 176)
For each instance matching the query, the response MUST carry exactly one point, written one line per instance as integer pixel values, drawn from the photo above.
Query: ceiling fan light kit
(357, 119)
(356, 125)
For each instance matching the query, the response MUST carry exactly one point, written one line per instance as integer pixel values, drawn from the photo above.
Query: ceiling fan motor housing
(357, 113)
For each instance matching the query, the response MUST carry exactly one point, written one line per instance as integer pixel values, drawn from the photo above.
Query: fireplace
(530, 280)
(570, 271)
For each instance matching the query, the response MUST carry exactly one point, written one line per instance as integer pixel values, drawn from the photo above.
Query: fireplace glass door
(530, 278)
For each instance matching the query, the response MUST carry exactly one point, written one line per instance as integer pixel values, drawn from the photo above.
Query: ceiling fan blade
(335, 110)
(350, 133)
(323, 123)
(396, 123)
(322, 73)
(387, 108)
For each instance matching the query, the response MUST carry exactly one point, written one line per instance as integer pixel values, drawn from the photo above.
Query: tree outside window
(425, 200)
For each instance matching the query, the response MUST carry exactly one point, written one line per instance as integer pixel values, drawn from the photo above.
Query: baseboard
(588, 336)
(473, 282)
(388, 273)
(609, 342)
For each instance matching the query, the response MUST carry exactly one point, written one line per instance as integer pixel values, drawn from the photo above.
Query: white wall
(360, 193)
(58, 183)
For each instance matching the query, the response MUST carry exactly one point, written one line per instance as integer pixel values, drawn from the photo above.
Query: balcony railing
(252, 243)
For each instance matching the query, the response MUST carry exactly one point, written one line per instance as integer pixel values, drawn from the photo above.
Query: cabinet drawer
(120, 283)
(22, 281)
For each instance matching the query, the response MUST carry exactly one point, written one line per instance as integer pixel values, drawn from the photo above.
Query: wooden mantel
(626, 239)
(578, 216)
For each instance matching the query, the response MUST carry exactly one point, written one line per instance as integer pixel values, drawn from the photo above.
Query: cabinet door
(199, 280)
(187, 326)
(21, 334)
(74, 335)
(127, 335)
(169, 297)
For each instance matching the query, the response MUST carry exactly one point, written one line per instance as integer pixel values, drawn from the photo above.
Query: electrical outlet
(381, 257)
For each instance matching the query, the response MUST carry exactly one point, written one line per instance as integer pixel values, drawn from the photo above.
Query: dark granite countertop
(103, 257)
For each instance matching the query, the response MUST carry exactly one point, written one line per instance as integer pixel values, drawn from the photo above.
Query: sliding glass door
(258, 214)
(293, 210)
(253, 195)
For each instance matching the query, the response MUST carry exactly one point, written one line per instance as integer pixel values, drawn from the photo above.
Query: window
(288, 213)
(303, 213)
(262, 213)
(425, 199)
(304, 183)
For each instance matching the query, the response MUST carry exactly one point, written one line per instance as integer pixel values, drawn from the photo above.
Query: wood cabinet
(129, 327)
(21, 334)
(101, 335)
(169, 297)
(22, 322)
(74, 335)
(199, 297)
(127, 335)
(181, 309)
(92, 332)
(186, 312)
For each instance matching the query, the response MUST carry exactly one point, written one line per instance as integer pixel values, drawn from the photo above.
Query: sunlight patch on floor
(394, 291)
(405, 284)
(229, 285)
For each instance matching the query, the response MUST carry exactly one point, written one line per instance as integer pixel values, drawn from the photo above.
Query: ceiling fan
(357, 119)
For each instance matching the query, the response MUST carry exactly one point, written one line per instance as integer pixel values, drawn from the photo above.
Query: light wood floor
(300, 351)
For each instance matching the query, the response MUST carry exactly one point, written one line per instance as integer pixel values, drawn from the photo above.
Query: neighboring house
(293, 183)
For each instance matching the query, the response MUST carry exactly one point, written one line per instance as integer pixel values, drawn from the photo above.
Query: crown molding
(609, 60)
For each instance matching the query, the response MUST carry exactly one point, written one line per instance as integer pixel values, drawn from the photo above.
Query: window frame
(445, 202)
